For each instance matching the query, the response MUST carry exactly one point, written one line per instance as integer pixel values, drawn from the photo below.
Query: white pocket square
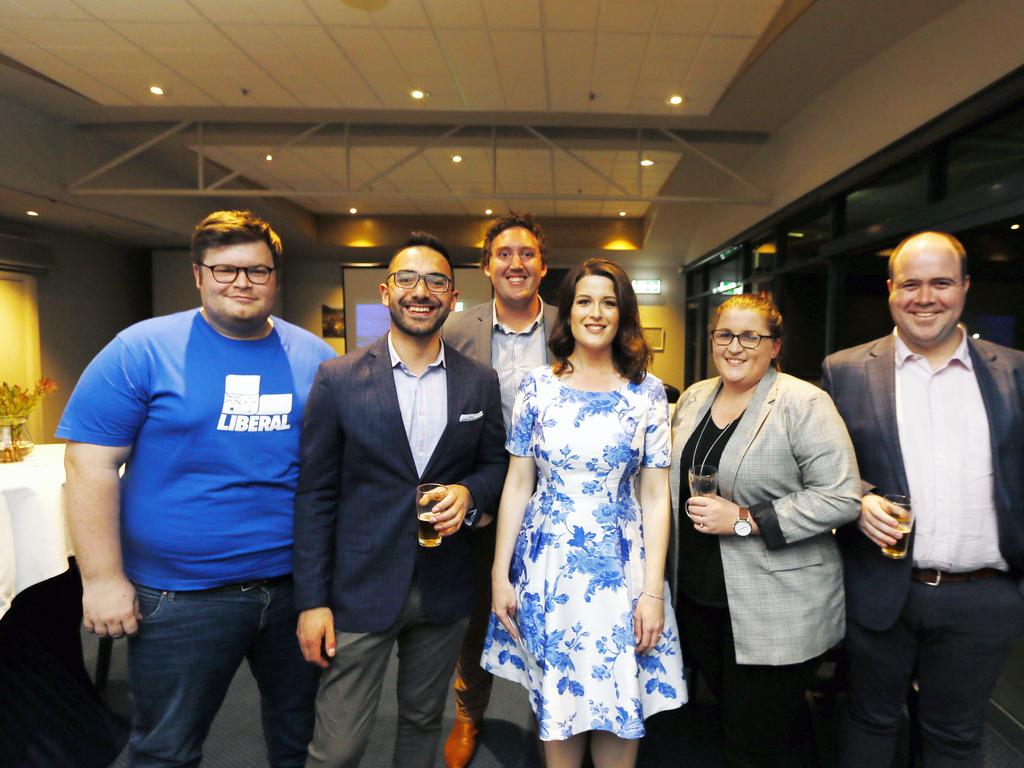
(471, 416)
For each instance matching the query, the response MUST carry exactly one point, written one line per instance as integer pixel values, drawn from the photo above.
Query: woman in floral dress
(581, 616)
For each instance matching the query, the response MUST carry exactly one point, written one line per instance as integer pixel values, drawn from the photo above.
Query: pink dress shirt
(944, 437)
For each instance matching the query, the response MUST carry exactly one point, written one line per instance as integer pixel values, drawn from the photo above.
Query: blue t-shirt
(207, 493)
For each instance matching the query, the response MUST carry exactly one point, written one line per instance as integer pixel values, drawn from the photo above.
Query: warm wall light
(31, 213)
(417, 94)
(675, 100)
(622, 213)
(156, 90)
(353, 211)
(619, 245)
(269, 157)
(646, 163)
(456, 158)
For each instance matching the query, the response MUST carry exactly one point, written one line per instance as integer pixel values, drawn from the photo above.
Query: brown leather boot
(461, 744)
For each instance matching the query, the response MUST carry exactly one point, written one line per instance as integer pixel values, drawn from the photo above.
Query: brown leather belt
(933, 577)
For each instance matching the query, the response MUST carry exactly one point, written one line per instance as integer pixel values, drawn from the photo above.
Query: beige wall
(95, 290)
(664, 311)
(306, 287)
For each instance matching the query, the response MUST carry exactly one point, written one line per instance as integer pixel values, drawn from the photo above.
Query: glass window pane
(808, 232)
(901, 189)
(986, 154)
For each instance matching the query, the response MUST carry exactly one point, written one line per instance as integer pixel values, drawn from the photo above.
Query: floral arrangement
(18, 402)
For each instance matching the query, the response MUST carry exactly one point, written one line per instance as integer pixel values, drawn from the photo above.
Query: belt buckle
(938, 579)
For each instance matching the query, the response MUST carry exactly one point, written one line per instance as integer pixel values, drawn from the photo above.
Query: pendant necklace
(701, 437)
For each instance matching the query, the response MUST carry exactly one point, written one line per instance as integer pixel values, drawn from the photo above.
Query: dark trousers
(761, 706)
(955, 639)
(472, 682)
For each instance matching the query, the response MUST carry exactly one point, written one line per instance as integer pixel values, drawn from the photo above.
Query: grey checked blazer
(791, 448)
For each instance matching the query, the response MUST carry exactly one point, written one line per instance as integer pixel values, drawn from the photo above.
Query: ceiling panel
(504, 15)
(457, 14)
(72, 77)
(472, 59)
(574, 15)
(134, 10)
(744, 17)
(254, 11)
(520, 58)
(687, 17)
(570, 58)
(626, 17)
(169, 36)
(41, 9)
(66, 34)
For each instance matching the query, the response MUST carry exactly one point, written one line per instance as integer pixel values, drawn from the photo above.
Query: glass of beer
(427, 495)
(904, 517)
(703, 480)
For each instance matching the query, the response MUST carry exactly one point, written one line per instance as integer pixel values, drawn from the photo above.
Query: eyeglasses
(227, 273)
(408, 279)
(747, 339)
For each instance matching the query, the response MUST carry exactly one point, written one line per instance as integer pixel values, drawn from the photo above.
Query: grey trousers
(955, 637)
(346, 703)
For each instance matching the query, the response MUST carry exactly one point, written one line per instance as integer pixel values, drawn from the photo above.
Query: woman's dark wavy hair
(630, 351)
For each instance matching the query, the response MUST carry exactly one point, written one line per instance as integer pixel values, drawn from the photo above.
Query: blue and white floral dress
(578, 565)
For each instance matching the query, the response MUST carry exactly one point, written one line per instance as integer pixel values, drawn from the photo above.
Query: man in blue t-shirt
(189, 554)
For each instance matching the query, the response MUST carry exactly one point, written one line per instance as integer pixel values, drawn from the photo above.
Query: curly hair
(508, 221)
(630, 351)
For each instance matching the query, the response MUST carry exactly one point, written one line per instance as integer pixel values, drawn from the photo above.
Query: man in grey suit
(510, 335)
(937, 416)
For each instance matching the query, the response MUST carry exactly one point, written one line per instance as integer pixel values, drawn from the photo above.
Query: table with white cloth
(34, 541)
(50, 712)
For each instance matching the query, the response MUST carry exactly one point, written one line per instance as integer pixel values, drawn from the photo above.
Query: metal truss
(561, 139)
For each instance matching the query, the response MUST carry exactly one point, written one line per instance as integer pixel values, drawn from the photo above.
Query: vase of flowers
(16, 403)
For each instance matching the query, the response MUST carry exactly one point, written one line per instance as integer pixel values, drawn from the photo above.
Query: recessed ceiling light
(488, 212)
(269, 157)
(417, 94)
(353, 211)
(156, 90)
(675, 100)
(1015, 226)
(31, 213)
(622, 213)
(456, 158)
(646, 162)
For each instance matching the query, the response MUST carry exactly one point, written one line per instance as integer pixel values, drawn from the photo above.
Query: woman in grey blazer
(757, 574)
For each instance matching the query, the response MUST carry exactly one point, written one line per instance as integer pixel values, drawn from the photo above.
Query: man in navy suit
(380, 420)
(937, 416)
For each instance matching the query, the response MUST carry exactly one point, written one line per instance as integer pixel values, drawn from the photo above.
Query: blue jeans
(182, 661)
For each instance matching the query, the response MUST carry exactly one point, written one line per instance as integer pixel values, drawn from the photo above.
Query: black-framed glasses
(408, 279)
(227, 273)
(747, 339)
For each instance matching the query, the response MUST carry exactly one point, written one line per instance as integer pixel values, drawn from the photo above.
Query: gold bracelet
(651, 594)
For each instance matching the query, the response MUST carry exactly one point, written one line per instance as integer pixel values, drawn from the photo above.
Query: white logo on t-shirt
(246, 410)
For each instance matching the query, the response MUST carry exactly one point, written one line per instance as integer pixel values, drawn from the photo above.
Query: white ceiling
(578, 56)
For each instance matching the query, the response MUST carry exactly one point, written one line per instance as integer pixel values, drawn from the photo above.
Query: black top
(700, 557)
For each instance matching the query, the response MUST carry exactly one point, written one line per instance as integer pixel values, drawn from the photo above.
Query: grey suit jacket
(790, 448)
(862, 380)
(470, 331)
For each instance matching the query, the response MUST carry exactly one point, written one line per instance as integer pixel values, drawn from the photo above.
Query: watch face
(742, 527)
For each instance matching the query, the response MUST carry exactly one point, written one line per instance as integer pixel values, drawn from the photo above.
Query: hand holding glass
(703, 480)
(427, 495)
(903, 516)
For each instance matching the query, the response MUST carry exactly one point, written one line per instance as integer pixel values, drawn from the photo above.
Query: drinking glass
(901, 512)
(703, 480)
(427, 495)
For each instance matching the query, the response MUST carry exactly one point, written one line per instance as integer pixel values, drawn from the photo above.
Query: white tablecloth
(34, 541)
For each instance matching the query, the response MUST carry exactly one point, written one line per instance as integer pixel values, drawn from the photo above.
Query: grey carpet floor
(685, 737)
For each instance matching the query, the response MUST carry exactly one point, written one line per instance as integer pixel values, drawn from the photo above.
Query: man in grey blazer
(508, 334)
(937, 416)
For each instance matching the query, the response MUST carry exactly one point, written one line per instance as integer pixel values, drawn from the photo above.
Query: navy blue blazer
(862, 382)
(355, 524)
